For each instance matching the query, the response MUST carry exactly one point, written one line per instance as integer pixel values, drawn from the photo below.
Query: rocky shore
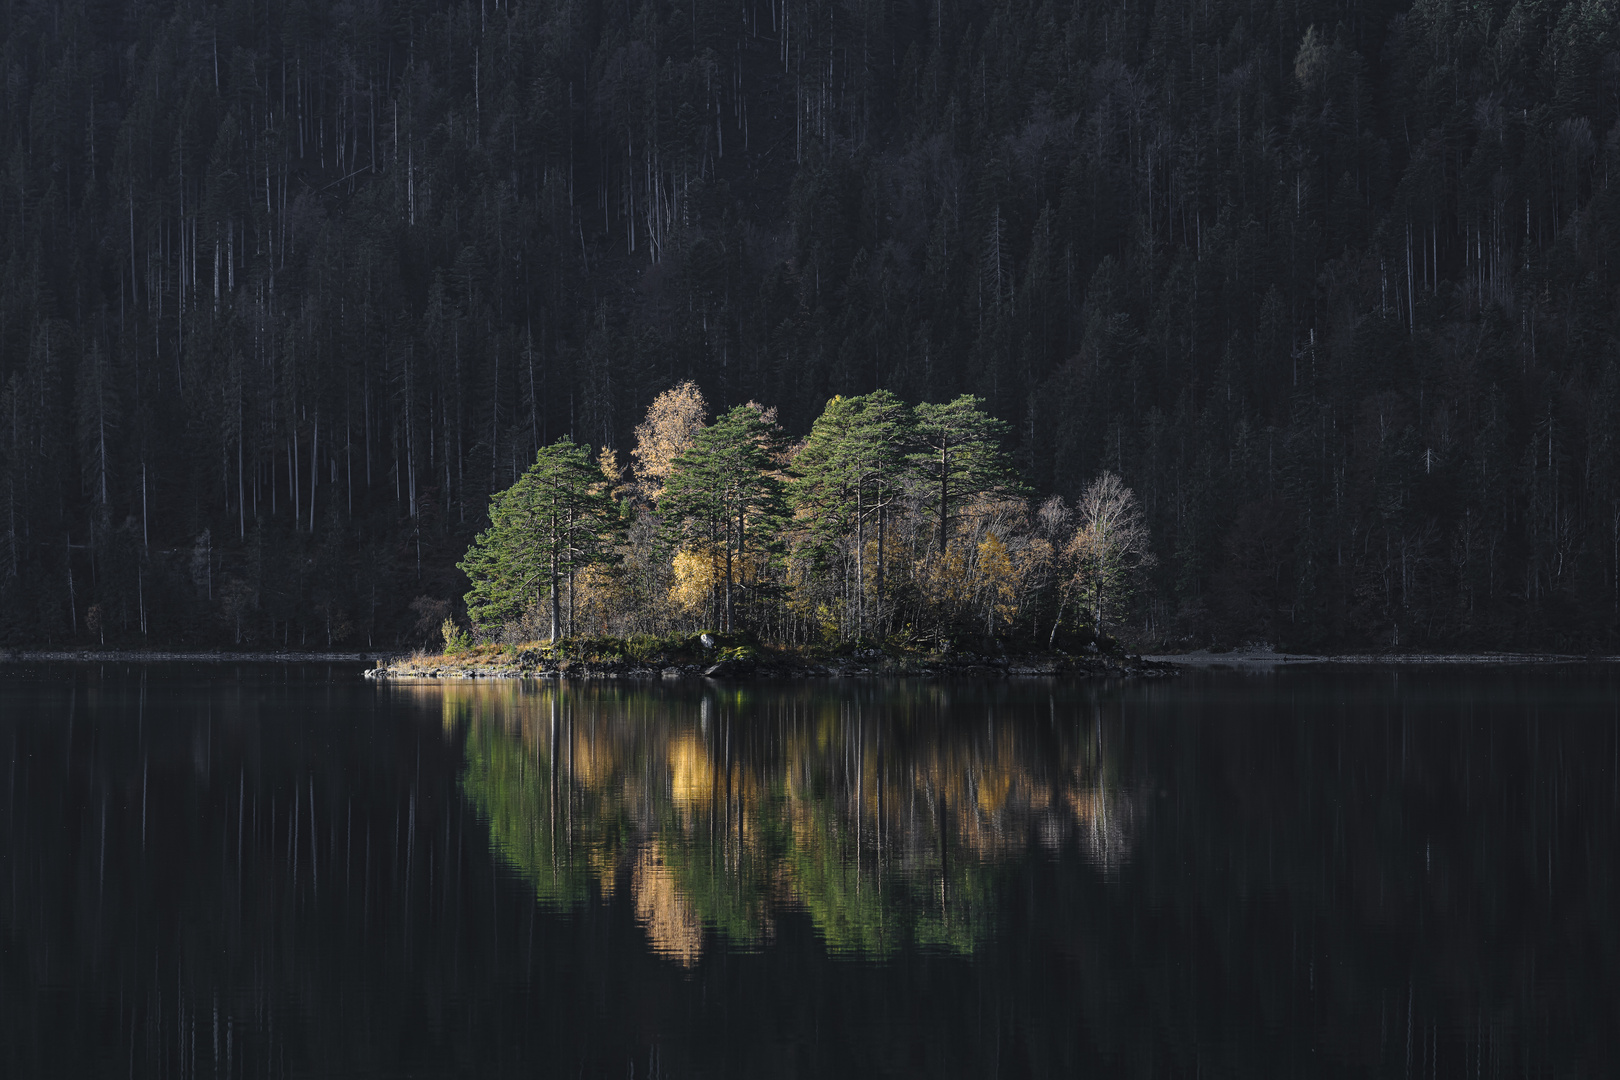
(871, 664)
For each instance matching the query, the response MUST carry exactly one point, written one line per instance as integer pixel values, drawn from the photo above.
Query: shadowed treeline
(290, 289)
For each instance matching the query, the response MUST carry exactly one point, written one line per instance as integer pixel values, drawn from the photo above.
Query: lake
(266, 871)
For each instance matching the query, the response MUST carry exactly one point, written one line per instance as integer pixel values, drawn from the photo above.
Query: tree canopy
(833, 540)
(962, 452)
(723, 496)
(556, 520)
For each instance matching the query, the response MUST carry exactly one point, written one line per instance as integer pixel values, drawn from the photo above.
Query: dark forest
(290, 290)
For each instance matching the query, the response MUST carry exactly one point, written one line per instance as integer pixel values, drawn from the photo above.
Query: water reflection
(292, 872)
(883, 815)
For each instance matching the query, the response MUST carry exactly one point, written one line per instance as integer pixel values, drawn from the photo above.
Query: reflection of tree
(884, 821)
(1338, 866)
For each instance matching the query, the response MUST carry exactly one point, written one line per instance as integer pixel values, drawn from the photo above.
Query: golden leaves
(669, 430)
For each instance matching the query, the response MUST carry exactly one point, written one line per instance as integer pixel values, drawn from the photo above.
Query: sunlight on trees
(668, 431)
(1000, 581)
(555, 521)
(1110, 546)
(888, 522)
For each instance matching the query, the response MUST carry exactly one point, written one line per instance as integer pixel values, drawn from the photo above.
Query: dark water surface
(285, 871)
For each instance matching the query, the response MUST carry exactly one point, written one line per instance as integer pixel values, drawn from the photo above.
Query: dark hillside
(290, 288)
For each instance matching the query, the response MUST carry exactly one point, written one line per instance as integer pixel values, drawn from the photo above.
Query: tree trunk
(860, 565)
(881, 522)
(730, 574)
(556, 597)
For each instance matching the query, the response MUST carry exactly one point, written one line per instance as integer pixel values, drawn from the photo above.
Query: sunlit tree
(557, 519)
(1109, 547)
(852, 470)
(960, 454)
(723, 495)
(669, 430)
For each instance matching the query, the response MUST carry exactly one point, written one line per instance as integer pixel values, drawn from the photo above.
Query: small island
(894, 539)
(737, 656)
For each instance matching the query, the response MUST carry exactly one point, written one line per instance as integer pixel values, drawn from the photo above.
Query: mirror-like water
(284, 871)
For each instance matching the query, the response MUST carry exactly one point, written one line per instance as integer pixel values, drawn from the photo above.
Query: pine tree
(960, 455)
(853, 468)
(724, 493)
(557, 519)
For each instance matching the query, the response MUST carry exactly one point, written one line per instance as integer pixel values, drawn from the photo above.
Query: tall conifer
(557, 519)
(960, 454)
(724, 492)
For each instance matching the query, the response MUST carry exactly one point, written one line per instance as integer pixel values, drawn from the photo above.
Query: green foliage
(960, 452)
(851, 471)
(644, 648)
(723, 494)
(853, 464)
(456, 640)
(555, 520)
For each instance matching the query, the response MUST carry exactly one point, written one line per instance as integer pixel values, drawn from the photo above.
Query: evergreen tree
(724, 493)
(557, 519)
(852, 469)
(960, 454)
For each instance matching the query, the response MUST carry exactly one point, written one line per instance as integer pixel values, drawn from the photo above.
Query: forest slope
(290, 289)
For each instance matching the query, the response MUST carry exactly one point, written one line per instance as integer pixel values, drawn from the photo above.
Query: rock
(706, 640)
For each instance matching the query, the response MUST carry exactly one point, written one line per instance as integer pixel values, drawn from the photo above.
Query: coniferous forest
(291, 290)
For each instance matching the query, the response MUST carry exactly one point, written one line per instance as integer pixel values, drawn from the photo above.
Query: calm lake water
(289, 871)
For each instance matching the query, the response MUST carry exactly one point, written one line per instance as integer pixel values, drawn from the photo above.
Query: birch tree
(1109, 547)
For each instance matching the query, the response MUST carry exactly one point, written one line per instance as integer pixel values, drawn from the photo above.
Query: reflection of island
(882, 820)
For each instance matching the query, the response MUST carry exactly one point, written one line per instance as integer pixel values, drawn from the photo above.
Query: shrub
(456, 640)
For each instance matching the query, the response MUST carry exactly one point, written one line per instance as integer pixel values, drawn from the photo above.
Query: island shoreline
(400, 666)
(779, 669)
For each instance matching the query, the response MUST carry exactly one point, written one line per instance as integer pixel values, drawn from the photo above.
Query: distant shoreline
(399, 665)
(1259, 657)
(175, 656)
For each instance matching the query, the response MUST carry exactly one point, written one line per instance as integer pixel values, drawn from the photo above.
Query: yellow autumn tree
(998, 580)
(697, 574)
(671, 427)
